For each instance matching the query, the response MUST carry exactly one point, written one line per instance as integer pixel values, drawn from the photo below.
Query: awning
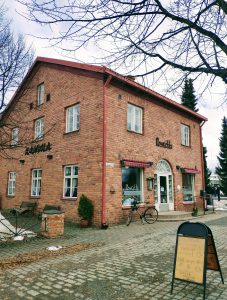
(135, 163)
(189, 170)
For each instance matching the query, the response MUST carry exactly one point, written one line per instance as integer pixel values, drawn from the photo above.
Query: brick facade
(69, 84)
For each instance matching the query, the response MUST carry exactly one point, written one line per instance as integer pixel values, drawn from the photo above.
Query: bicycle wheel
(150, 215)
(129, 219)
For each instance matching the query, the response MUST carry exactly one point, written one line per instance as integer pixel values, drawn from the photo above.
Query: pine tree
(188, 97)
(221, 170)
(207, 172)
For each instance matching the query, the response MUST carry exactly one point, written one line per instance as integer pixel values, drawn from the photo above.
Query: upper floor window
(11, 183)
(40, 93)
(73, 118)
(15, 136)
(36, 182)
(39, 128)
(70, 181)
(185, 135)
(134, 118)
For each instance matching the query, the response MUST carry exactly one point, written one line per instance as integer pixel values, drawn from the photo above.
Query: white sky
(210, 106)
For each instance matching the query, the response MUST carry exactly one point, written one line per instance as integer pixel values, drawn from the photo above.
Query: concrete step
(174, 216)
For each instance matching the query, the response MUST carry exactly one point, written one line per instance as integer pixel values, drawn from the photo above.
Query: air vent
(48, 97)
(31, 105)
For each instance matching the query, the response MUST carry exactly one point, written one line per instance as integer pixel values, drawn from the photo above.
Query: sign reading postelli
(165, 144)
(195, 252)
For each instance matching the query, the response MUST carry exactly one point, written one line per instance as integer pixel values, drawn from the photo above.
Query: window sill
(131, 131)
(68, 199)
(125, 207)
(10, 196)
(188, 202)
(71, 132)
(35, 197)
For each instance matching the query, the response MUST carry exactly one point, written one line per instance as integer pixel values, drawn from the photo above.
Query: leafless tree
(146, 36)
(15, 59)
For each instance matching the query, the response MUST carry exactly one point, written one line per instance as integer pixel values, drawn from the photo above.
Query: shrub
(85, 208)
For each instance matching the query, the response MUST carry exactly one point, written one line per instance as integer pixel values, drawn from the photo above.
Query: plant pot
(84, 223)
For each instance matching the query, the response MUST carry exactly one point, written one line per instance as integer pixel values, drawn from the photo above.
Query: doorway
(163, 187)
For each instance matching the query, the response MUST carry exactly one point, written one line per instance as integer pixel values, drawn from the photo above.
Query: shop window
(39, 128)
(132, 185)
(188, 187)
(40, 93)
(15, 136)
(36, 182)
(73, 118)
(134, 118)
(70, 181)
(185, 135)
(11, 183)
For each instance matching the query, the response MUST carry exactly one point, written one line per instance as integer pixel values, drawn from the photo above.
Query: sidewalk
(134, 262)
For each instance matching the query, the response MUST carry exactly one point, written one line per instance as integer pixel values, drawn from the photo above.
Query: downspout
(104, 143)
(202, 163)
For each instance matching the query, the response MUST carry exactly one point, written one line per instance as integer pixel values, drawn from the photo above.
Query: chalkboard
(190, 259)
(195, 252)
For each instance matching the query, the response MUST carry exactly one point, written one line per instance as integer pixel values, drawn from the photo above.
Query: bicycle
(149, 215)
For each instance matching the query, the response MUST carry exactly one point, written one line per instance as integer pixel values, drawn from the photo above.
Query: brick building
(98, 133)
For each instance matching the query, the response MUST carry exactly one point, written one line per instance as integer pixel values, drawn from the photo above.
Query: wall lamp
(49, 156)
(21, 161)
(150, 183)
(178, 167)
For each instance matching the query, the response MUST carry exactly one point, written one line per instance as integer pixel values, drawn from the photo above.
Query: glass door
(163, 189)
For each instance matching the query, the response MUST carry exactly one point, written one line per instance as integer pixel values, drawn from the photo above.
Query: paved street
(134, 262)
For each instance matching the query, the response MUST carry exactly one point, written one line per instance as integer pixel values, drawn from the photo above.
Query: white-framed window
(134, 118)
(36, 182)
(15, 136)
(188, 183)
(40, 93)
(39, 128)
(73, 118)
(185, 135)
(70, 181)
(132, 185)
(11, 183)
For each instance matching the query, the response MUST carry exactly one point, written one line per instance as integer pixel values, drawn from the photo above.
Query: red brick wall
(82, 148)
(158, 122)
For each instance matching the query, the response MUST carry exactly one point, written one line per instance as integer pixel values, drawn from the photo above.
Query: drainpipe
(202, 163)
(104, 140)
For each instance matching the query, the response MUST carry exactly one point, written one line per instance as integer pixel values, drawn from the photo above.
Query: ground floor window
(36, 182)
(188, 187)
(132, 185)
(70, 181)
(11, 183)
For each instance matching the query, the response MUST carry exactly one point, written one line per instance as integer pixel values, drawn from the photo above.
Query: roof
(106, 71)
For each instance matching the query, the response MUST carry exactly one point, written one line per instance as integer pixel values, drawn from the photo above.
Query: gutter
(202, 163)
(104, 224)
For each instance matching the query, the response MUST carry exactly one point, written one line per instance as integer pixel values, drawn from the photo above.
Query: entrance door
(163, 187)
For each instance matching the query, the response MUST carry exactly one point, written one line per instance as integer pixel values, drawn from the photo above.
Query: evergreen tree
(188, 97)
(221, 170)
(207, 172)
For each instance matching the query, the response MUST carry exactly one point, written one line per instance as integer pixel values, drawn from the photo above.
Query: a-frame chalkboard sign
(195, 252)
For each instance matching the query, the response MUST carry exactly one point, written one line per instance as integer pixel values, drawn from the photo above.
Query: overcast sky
(209, 106)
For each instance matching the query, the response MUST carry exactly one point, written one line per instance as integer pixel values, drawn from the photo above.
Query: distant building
(214, 180)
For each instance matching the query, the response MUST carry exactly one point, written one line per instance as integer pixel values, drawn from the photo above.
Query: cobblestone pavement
(135, 262)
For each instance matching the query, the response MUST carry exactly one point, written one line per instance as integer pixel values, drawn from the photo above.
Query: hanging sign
(195, 252)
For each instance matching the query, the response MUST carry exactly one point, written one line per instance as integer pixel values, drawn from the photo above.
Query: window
(11, 183)
(134, 118)
(185, 135)
(40, 93)
(132, 185)
(39, 126)
(188, 187)
(70, 181)
(73, 118)
(36, 182)
(15, 136)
